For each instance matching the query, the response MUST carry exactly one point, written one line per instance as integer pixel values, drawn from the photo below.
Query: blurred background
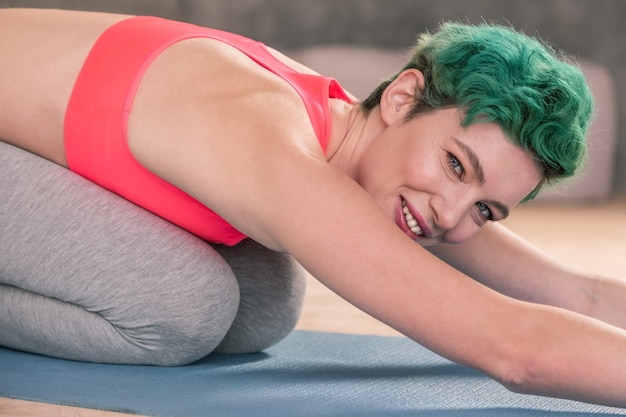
(361, 41)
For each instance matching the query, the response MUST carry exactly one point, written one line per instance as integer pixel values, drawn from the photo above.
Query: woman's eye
(455, 164)
(484, 211)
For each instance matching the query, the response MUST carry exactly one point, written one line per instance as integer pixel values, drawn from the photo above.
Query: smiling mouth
(411, 221)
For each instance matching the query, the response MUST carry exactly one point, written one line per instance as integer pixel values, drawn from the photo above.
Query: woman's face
(439, 181)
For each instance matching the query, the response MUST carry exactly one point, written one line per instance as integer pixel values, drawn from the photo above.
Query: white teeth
(410, 220)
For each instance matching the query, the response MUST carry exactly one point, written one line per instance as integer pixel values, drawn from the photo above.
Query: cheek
(423, 172)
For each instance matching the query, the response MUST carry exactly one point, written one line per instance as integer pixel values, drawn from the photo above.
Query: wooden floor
(592, 237)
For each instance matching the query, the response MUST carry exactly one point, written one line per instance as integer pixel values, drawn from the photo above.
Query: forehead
(509, 172)
(508, 169)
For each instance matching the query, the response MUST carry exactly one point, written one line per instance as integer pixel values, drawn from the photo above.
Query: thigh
(67, 239)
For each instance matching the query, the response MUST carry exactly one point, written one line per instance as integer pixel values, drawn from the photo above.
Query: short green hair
(538, 97)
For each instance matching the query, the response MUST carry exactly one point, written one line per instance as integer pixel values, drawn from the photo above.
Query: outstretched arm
(523, 271)
(337, 232)
(528, 347)
(259, 174)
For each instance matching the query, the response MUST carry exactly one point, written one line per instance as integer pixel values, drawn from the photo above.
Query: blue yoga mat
(308, 374)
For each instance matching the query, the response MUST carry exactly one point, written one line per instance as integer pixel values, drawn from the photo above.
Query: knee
(189, 324)
(272, 287)
(177, 342)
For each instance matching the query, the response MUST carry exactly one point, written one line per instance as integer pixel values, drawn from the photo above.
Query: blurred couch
(361, 41)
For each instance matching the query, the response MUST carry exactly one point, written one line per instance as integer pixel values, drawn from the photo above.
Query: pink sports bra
(97, 116)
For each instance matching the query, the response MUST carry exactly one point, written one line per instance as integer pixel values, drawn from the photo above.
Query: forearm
(607, 300)
(522, 271)
(504, 261)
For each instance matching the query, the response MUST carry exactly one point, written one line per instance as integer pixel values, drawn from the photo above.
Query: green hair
(495, 74)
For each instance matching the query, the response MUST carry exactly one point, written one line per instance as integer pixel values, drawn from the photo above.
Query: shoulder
(210, 89)
(209, 120)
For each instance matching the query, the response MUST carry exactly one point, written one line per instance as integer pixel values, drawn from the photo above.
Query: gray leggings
(86, 275)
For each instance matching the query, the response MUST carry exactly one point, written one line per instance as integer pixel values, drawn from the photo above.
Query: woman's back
(42, 52)
(40, 58)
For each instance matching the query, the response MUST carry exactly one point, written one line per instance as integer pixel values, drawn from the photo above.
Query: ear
(400, 95)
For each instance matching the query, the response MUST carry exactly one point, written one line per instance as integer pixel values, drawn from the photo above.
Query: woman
(253, 152)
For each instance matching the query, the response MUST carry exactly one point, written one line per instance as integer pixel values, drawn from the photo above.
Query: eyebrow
(473, 159)
(480, 174)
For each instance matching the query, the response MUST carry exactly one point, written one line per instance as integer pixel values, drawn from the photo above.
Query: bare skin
(349, 195)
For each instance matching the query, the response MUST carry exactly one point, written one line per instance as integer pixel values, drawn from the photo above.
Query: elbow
(527, 358)
(524, 373)
(517, 379)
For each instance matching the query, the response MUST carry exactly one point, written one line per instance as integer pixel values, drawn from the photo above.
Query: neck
(351, 133)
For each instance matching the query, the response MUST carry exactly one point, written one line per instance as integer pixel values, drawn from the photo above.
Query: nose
(448, 211)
